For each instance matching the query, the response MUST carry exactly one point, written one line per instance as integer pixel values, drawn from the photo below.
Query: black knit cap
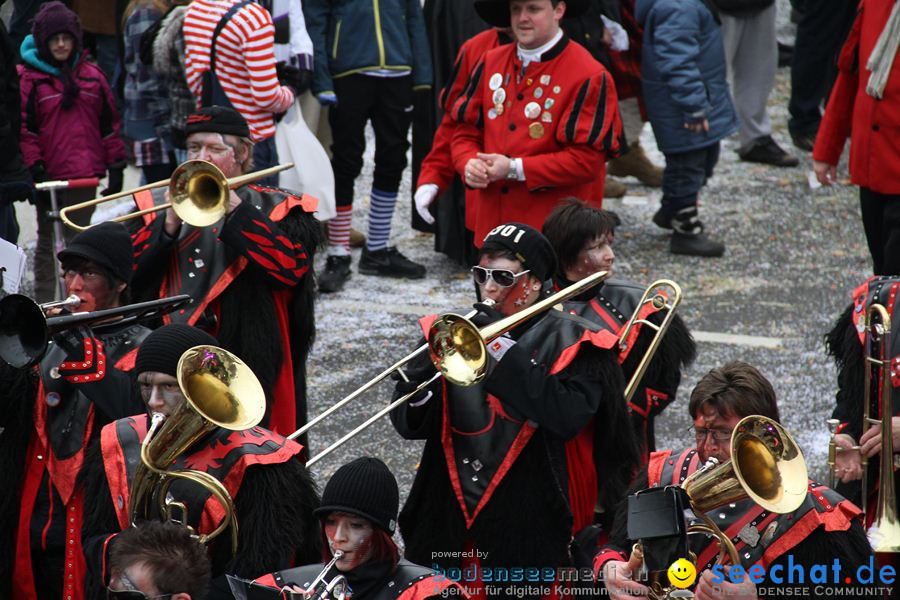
(496, 12)
(529, 246)
(363, 487)
(217, 119)
(160, 351)
(108, 245)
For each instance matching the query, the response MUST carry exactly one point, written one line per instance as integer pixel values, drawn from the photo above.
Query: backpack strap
(221, 25)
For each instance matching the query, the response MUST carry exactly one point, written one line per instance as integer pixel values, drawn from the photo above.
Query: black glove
(417, 370)
(114, 183)
(38, 171)
(298, 80)
(486, 314)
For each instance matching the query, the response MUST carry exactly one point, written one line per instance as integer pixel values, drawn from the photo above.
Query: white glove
(619, 35)
(425, 195)
(500, 346)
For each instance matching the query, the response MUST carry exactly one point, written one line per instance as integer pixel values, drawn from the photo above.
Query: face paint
(160, 392)
(508, 300)
(214, 148)
(352, 535)
(597, 255)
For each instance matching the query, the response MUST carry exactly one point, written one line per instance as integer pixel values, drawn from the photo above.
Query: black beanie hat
(107, 244)
(160, 351)
(529, 246)
(363, 487)
(217, 119)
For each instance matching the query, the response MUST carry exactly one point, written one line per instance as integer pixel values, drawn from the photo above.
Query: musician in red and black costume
(509, 463)
(50, 413)
(845, 343)
(437, 174)
(537, 119)
(823, 529)
(274, 495)
(583, 238)
(249, 274)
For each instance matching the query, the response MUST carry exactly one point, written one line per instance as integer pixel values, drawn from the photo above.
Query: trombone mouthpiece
(338, 554)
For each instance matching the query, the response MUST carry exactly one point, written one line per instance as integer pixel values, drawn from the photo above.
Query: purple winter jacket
(81, 141)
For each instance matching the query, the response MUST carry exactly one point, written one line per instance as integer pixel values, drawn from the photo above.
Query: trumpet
(25, 330)
(457, 348)
(336, 589)
(198, 193)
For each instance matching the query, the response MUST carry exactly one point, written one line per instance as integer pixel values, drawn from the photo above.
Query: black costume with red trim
(845, 344)
(273, 494)
(249, 277)
(611, 305)
(80, 385)
(509, 463)
(824, 528)
(372, 581)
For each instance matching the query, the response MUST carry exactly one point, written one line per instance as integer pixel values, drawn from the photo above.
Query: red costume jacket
(558, 115)
(437, 168)
(873, 125)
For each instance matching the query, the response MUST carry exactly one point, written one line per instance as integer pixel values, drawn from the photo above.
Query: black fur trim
(17, 398)
(842, 344)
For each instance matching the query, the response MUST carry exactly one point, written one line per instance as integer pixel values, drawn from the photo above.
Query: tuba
(766, 466)
(220, 391)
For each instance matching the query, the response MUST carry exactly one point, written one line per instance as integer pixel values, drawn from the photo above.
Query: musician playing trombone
(824, 528)
(583, 237)
(51, 413)
(248, 273)
(273, 493)
(509, 462)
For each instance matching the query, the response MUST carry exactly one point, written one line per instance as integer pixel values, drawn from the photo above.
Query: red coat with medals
(558, 115)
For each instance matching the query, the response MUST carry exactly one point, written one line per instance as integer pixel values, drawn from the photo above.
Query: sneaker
(661, 220)
(766, 151)
(804, 141)
(336, 273)
(695, 244)
(635, 163)
(389, 263)
(613, 188)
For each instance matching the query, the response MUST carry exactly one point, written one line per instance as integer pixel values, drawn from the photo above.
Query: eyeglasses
(502, 277)
(112, 594)
(719, 435)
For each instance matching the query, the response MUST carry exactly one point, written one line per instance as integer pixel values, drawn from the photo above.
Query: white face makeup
(352, 535)
(160, 392)
(597, 255)
(213, 147)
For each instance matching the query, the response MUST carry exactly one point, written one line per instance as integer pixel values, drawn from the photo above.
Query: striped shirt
(245, 61)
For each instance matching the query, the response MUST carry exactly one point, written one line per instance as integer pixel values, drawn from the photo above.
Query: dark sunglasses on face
(502, 277)
(112, 594)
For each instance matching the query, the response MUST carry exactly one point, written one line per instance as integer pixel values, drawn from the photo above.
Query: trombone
(884, 533)
(458, 350)
(198, 193)
(655, 296)
(25, 330)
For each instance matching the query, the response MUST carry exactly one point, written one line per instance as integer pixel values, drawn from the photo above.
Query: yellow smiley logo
(682, 573)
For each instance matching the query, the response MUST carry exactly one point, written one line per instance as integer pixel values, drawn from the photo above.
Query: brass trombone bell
(198, 193)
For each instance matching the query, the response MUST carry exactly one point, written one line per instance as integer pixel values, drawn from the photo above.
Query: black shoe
(766, 151)
(336, 273)
(389, 263)
(696, 244)
(804, 141)
(661, 220)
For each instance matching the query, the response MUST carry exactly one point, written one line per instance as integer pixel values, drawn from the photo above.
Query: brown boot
(613, 188)
(357, 239)
(636, 163)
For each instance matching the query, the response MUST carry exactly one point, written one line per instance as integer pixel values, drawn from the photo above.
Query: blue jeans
(684, 175)
(264, 156)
